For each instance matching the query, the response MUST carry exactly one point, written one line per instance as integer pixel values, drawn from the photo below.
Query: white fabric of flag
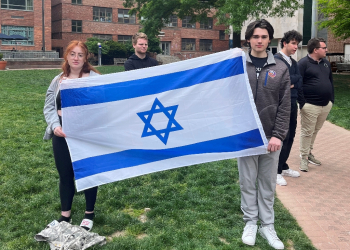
(137, 122)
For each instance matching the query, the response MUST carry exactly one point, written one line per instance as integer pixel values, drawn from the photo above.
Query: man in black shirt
(318, 98)
(140, 59)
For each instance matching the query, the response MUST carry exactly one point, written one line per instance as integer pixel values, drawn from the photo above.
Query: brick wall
(56, 12)
(84, 12)
(31, 19)
(58, 25)
(334, 45)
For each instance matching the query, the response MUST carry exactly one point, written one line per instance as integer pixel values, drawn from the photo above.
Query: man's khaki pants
(312, 119)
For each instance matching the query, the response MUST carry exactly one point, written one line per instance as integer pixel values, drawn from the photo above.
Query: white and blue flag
(133, 123)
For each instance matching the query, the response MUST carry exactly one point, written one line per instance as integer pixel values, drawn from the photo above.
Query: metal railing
(30, 54)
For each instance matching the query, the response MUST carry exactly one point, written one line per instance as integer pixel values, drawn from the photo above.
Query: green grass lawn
(196, 207)
(340, 113)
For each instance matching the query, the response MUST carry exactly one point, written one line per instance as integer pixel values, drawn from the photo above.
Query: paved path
(320, 198)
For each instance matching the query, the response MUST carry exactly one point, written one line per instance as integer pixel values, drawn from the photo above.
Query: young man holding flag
(270, 83)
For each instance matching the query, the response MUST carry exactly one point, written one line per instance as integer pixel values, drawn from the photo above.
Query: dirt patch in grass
(224, 241)
(116, 235)
(290, 245)
(141, 236)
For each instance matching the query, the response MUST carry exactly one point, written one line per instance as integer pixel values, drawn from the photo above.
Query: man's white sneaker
(249, 234)
(269, 233)
(290, 172)
(280, 180)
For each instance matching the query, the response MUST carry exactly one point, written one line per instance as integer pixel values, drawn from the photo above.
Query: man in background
(289, 45)
(140, 59)
(318, 98)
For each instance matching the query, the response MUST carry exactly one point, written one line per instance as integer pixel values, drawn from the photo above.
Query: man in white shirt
(289, 45)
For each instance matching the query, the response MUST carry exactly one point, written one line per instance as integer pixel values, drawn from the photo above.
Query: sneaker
(249, 234)
(304, 165)
(313, 160)
(280, 180)
(87, 224)
(269, 233)
(290, 172)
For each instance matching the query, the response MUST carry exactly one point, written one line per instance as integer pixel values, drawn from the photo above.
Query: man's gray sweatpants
(257, 177)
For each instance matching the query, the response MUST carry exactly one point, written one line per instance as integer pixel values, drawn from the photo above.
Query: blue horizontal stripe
(135, 157)
(152, 85)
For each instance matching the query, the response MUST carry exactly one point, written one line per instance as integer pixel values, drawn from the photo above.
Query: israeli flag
(133, 123)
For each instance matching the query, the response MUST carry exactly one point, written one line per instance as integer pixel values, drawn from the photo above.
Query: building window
(273, 45)
(207, 24)
(76, 1)
(124, 17)
(187, 24)
(27, 32)
(188, 44)
(17, 4)
(103, 37)
(172, 21)
(222, 35)
(102, 14)
(77, 26)
(205, 45)
(124, 39)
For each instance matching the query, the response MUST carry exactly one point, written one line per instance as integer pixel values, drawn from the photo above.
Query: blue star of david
(162, 134)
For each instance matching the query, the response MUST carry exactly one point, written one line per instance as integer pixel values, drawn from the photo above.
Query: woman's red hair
(86, 67)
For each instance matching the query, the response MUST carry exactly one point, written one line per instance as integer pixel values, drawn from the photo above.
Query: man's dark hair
(262, 24)
(291, 35)
(313, 44)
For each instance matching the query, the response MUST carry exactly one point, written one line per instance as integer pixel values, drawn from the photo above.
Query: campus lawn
(196, 207)
(340, 113)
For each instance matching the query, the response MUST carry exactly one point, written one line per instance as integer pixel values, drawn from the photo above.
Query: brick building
(108, 19)
(339, 46)
(26, 18)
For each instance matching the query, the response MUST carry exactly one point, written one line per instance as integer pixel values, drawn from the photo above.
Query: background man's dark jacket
(317, 81)
(134, 62)
(295, 78)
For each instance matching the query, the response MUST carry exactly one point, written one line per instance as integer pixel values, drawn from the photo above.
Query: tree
(153, 44)
(155, 13)
(337, 17)
(110, 49)
(92, 42)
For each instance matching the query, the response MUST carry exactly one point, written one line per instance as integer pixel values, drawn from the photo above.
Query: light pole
(231, 38)
(43, 23)
(99, 53)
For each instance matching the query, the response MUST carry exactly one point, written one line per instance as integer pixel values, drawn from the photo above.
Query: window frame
(26, 31)
(222, 36)
(188, 42)
(103, 37)
(77, 26)
(130, 17)
(187, 24)
(173, 20)
(204, 43)
(28, 5)
(124, 41)
(77, 2)
(99, 10)
(207, 24)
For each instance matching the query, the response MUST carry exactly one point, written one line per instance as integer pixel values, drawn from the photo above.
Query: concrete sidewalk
(320, 198)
